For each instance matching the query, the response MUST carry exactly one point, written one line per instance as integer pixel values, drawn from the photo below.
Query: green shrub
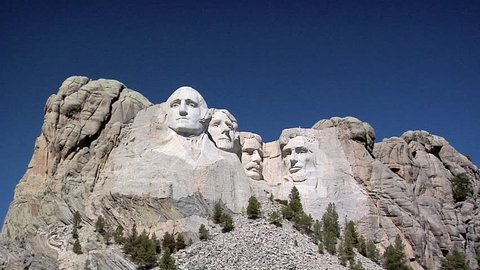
(394, 257)
(253, 208)
(227, 223)
(77, 248)
(167, 262)
(302, 222)
(168, 242)
(180, 242)
(118, 235)
(461, 187)
(295, 201)
(203, 233)
(100, 225)
(331, 228)
(282, 202)
(275, 219)
(455, 260)
(217, 213)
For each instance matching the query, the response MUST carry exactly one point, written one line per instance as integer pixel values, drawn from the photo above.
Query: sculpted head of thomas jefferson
(187, 112)
(223, 129)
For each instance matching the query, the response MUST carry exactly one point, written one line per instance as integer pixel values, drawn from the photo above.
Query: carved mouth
(295, 169)
(253, 167)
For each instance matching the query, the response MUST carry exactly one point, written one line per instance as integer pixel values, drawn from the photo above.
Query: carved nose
(292, 162)
(256, 157)
(183, 109)
(293, 157)
(225, 128)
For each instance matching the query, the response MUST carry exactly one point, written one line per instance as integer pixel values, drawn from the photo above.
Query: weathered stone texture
(106, 150)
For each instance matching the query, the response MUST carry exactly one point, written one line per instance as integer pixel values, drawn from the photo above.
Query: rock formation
(106, 151)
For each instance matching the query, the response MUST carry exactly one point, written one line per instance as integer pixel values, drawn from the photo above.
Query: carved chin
(225, 145)
(255, 175)
(188, 129)
(299, 176)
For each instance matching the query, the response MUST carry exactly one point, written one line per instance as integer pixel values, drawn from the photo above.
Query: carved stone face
(186, 108)
(223, 130)
(296, 155)
(252, 158)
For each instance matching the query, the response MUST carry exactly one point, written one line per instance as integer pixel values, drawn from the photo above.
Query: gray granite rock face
(106, 150)
(83, 122)
(428, 163)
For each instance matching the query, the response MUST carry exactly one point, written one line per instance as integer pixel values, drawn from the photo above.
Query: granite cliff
(106, 150)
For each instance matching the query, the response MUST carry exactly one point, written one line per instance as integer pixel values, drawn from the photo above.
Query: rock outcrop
(105, 150)
(83, 122)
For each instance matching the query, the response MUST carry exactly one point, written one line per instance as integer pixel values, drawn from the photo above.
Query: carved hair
(292, 133)
(248, 135)
(228, 114)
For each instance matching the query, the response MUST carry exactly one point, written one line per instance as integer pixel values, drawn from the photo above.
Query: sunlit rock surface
(106, 150)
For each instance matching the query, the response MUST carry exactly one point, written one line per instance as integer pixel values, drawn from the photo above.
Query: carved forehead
(219, 113)
(187, 92)
(295, 142)
(251, 143)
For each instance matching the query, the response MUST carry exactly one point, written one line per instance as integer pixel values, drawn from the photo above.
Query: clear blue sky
(398, 65)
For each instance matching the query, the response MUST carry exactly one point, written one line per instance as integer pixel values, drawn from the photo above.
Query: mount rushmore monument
(105, 150)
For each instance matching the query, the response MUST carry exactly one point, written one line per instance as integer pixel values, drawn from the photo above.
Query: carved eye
(287, 152)
(174, 104)
(301, 150)
(248, 151)
(215, 124)
(192, 104)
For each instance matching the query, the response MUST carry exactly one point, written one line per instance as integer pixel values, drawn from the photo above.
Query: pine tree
(331, 228)
(227, 223)
(341, 253)
(348, 248)
(100, 225)
(253, 208)
(351, 231)
(348, 242)
(455, 260)
(317, 231)
(180, 242)
(372, 252)
(394, 256)
(217, 213)
(362, 246)
(330, 241)
(168, 242)
(77, 248)
(131, 241)
(203, 232)
(156, 243)
(330, 220)
(145, 255)
(295, 201)
(167, 262)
